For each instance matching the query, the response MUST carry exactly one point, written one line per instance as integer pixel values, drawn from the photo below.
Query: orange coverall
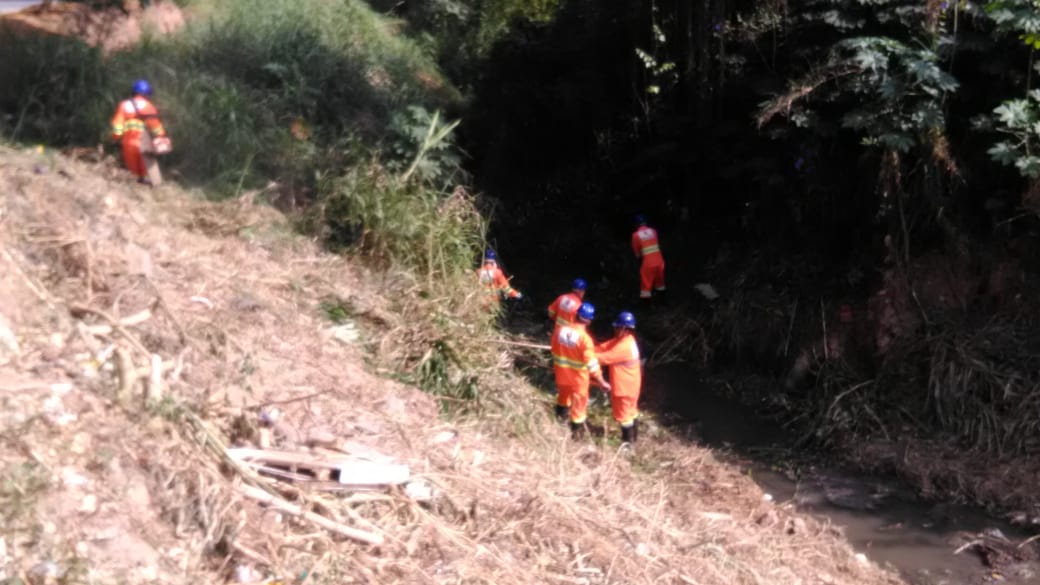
(132, 118)
(495, 282)
(651, 272)
(564, 308)
(621, 355)
(574, 362)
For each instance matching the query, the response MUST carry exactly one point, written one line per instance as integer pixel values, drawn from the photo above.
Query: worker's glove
(518, 296)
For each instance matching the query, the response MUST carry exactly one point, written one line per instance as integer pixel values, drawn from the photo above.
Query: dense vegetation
(799, 154)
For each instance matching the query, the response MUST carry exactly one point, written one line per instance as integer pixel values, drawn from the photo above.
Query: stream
(882, 518)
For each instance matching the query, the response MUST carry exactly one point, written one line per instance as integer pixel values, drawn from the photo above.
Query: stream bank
(929, 542)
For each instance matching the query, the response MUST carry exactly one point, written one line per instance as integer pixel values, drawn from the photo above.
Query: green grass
(231, 87)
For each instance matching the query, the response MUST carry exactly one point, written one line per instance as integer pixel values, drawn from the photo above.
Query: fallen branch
(263, 497)
(135, 319)
(80, 310)
(519, 343)
(1028, 540)
(966, 546)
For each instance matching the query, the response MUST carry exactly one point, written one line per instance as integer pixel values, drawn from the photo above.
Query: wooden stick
(263, 497)
(1028, 540)
(135, 319)
(78, 310)
(153, 389)
(250, 553)
(519, 343)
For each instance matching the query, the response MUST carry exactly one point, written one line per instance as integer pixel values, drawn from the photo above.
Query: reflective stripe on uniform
(563, 362)
(650, 249)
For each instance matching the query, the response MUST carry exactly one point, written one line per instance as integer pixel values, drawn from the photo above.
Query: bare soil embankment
(144, 332)
(111, 29)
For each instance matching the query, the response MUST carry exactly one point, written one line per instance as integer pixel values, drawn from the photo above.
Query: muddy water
(881, 517)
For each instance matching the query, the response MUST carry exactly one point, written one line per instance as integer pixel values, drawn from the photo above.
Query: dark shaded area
(564, 135)
(851, 191)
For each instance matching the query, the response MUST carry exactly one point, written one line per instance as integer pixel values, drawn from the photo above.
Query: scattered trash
(420, 491)
(862, 558)
(245, 574)
(372, 473)
(707, 291)
(347, 333)
(202, 301)
(72, 478)
(270, 416)
(45, 572)
(54, 411)
(444, 437)
(767, 497)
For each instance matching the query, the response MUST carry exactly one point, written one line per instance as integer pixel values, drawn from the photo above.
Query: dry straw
(239, 320)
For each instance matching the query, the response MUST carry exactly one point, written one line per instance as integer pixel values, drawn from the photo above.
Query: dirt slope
(96, 485)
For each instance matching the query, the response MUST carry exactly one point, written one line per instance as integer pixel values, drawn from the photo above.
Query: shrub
(278, 90)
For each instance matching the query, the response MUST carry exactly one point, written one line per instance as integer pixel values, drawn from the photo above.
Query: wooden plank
(286, 458)
(352, 471)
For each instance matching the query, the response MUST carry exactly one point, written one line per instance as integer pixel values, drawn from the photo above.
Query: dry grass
(239, 316)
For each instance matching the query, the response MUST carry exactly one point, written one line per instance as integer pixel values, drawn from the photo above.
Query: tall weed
(282, 90)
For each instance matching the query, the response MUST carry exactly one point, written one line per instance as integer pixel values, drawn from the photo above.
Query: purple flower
(944, 6)
(718, 26)
(798, 163)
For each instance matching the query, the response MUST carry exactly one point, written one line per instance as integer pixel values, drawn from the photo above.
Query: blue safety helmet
(490, 255)
(142, 87)
(586, 311)
(579, 284)
(640, 219)
(625, 319)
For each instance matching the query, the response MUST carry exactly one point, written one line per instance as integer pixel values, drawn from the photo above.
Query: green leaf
(897, 141)
(1014, 114)
(1004, 153)
(1029, 166)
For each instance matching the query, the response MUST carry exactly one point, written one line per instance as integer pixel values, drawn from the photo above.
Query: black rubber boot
(635, 431)
(626, 433)
(577, 430)
(562, 412)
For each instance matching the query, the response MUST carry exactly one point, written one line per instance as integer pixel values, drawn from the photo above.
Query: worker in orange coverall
(136, 125)
(495, 282)
(620, 355)
(575, 364)
(646, 247)
(564, 309)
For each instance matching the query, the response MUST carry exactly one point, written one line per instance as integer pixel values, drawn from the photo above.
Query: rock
(45, 573)
(89, 505)
(795, 526)
(71, 478)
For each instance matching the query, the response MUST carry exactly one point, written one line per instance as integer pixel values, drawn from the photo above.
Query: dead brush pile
(148, 340)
